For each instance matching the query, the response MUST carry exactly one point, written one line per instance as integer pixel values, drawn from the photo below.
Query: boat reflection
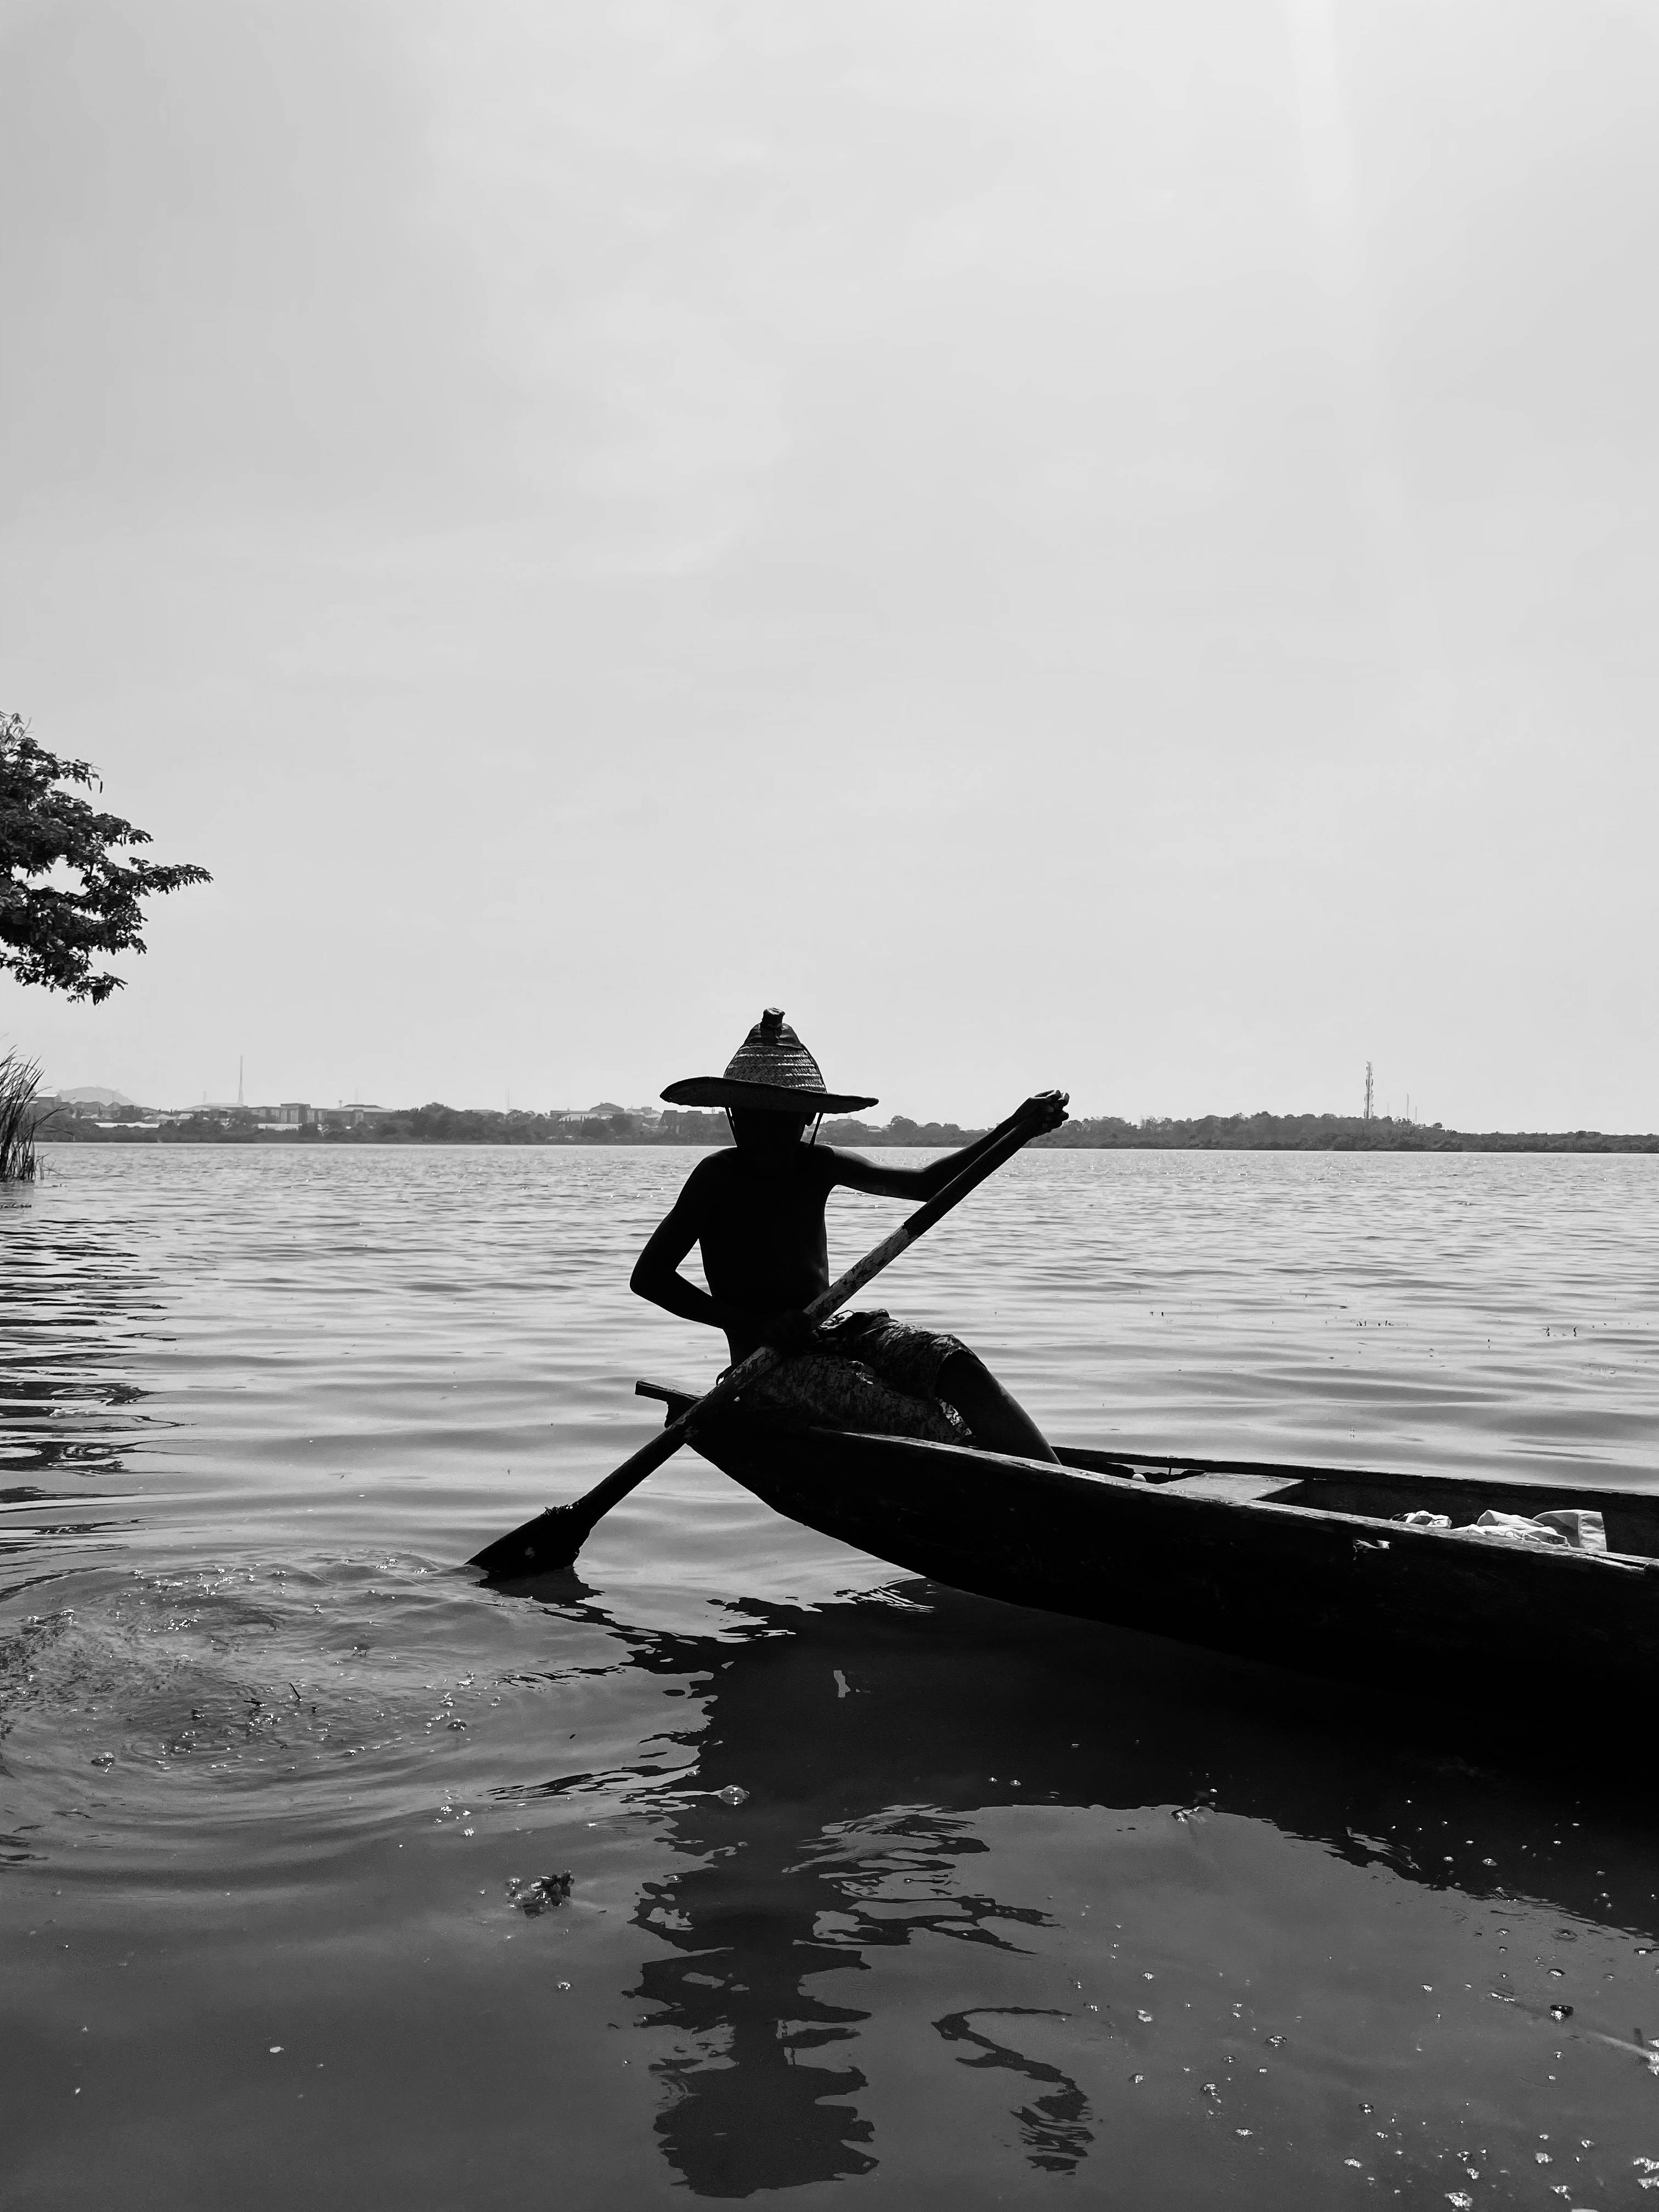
(876, 1738)
(746, 2110)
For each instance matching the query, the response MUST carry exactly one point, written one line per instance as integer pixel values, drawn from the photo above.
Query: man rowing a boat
(757, 1212)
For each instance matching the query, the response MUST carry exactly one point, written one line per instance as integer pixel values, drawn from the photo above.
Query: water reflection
(1053, 2125)
(73, 1297)
(747, 2109)
(888, 1747)
(751, 1934)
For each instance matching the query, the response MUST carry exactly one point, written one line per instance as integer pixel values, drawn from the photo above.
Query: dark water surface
(872, 1884)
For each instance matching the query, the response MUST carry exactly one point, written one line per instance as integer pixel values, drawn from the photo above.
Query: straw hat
(771, 1072)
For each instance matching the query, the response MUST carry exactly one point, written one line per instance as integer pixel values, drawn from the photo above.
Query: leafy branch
(51, 933)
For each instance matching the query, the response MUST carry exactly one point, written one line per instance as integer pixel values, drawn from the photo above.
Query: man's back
(758, 1219)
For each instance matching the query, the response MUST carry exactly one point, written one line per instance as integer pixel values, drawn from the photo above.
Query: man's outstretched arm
(854, 1172)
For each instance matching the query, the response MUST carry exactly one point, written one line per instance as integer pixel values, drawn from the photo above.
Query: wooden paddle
(555, 1535)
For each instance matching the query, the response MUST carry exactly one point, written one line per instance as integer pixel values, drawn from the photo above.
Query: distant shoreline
(1251, 1132)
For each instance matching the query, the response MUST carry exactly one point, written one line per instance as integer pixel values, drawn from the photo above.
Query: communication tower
(1368, 1091)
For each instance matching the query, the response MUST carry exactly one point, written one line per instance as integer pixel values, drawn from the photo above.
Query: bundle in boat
(1565, 1527)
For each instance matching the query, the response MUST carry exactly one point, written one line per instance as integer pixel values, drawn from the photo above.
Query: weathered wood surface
(1304, 1567)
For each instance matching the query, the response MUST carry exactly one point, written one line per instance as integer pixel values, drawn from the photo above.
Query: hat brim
(761, 1098)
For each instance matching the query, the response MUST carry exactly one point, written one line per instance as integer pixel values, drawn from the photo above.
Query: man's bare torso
(759, 1224)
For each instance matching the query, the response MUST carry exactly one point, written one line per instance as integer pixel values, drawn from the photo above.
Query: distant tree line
(437, 1124)
(431, 1124)
(1324, 1133)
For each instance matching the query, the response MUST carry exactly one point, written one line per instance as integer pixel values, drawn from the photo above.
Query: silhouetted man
(757, 1212)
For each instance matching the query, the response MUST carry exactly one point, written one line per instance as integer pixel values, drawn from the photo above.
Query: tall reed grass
(20, 1117)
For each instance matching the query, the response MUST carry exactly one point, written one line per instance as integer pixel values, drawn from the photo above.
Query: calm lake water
(1009, 1909)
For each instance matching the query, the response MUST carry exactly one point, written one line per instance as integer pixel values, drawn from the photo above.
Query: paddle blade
(551, 1540)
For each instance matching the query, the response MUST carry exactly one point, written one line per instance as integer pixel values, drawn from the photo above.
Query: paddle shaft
(520, 1552)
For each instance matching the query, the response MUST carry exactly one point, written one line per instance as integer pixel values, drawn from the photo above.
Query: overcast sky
(1106, 545)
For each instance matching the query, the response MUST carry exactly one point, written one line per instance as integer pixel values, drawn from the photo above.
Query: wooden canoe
(1308, 1567)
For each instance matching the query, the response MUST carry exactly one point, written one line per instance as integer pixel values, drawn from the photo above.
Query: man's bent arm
(657, 1277)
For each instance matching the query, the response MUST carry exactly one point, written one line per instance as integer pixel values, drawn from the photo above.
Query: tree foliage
(51, 932)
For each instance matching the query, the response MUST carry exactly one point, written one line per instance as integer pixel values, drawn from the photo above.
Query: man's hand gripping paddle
(554, 1538)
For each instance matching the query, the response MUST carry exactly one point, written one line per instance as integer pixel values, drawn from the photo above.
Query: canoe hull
(1329, 1592)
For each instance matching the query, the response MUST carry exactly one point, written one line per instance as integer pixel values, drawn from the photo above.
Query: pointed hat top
(771, 1072)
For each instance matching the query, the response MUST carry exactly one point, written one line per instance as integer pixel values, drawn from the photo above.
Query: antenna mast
(1368, 1091)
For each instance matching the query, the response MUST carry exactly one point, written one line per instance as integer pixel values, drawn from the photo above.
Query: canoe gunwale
(1132, 1471)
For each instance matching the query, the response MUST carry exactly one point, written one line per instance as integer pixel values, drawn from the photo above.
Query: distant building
(349, 1115)
(608, 1110)
(689, 1126)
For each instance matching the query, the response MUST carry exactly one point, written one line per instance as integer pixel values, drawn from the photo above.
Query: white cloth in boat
(1567, 1528)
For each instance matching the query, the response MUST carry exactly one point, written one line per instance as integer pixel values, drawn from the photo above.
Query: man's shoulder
(701, 1185)
(712, 1169)
(722, 1172)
